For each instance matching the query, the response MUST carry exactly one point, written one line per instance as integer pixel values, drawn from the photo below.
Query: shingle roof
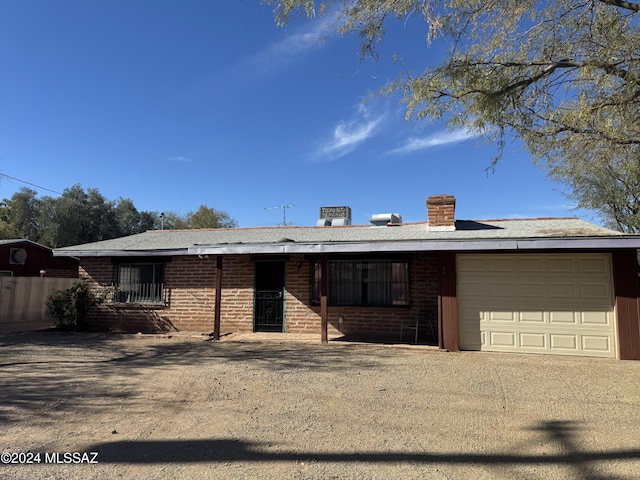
(15, 241)
(310, 239)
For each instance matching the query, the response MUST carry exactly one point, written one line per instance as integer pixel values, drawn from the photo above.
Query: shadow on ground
(581, 464)
(45, 372)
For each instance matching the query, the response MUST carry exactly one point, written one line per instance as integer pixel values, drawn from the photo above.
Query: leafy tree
(7, 229)
(561, 76)
(48, 228)
(23, 210)
(131, 221)
(128, 217)
(78, 216)
(173, 221)
(206, 217)
(611, 188)
(148, 221)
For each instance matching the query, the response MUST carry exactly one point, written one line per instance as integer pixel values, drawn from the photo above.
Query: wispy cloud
(348, 135)
(444, 137)
(180, 159)
(284, 51)
(271, 58)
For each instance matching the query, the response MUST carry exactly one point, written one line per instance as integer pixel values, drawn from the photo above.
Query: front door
(269, 296)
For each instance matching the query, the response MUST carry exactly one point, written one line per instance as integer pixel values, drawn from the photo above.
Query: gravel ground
(180, 407)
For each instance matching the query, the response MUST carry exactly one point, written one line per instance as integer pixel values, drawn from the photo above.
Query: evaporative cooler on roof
(334, 216)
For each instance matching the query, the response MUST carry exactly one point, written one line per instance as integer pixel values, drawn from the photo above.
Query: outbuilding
(20, 257)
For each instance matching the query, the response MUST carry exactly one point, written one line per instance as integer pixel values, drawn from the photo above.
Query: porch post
(324, 306)
(627, 292)
(447, 302)
(218, 302)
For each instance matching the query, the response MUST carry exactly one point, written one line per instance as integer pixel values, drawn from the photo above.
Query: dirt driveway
(158, 407)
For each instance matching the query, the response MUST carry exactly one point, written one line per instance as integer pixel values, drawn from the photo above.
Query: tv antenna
(284, 213)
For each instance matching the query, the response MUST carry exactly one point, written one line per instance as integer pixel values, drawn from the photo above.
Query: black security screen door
(269, 296)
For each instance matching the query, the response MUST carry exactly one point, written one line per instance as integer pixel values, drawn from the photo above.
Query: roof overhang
(588, 243)
(462, 245)
(120, 253)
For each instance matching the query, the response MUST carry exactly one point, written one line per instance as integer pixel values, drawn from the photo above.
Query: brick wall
(237, 294)
(441, 210)
(300, 316)
(61, 273)
(385, 321)
(190, 292)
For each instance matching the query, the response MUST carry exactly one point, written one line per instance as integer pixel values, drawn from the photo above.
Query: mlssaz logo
(71, 457)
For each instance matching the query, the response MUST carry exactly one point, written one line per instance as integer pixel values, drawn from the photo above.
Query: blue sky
(177, 104)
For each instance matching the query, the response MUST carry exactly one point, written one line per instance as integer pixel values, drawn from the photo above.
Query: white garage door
(554, 303)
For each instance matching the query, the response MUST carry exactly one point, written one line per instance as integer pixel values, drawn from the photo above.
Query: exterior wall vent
(17, 256)
(334, 216)
(384, 219)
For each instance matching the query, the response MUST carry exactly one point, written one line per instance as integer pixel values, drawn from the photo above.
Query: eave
(120, 253)
(451, 245)
(590, 243)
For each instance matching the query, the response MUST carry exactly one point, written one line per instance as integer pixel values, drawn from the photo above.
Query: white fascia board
(604, 243)
(607, 243)
(351, 247)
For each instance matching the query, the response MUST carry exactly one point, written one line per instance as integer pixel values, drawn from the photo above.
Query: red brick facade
(441, 210)
(190, 298)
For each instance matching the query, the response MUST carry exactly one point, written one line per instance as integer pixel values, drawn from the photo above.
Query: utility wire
(29, 183)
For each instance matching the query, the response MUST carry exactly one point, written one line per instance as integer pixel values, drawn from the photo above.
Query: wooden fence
(23, 301)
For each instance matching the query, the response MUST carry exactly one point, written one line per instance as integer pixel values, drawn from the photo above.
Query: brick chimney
(441, 210)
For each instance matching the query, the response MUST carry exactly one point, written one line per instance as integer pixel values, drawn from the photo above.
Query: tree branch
(622, 4)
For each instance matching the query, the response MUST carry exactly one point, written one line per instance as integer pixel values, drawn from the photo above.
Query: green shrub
(70, 308)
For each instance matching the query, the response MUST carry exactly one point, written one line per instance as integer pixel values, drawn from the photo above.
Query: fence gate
(23, 301)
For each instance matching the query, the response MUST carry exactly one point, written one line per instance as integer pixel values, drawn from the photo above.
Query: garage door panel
(532, 317)
(502, 339)
(562, 318)
(501, 265)
(562, 290)
(559, 304)
(531, 264)
(502, 316)
(501, 289)
(564, 342)
(596, 343)
(594, 291)
(531, 289)
(593, 265)
(595, 318)
(536, 341)
(561, 264)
